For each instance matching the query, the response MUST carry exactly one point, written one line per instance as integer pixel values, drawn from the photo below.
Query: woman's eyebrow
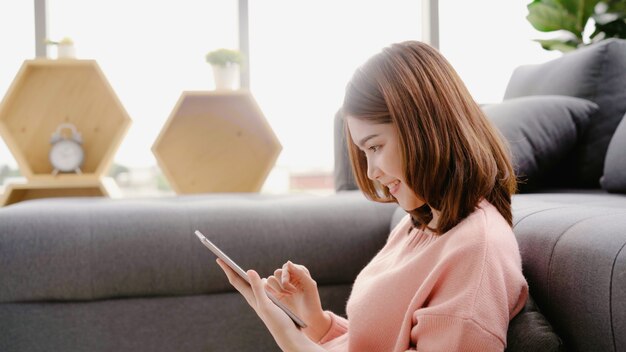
(364, 140)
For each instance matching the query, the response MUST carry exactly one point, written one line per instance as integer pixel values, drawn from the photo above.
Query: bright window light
(302, 54)
(150, 51)
(17, 35)
(485, 41)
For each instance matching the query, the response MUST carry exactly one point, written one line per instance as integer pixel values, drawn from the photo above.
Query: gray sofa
(97, 274)
(571, 229)
(89, 274)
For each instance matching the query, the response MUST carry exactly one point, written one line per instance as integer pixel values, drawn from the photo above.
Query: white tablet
(213, 248)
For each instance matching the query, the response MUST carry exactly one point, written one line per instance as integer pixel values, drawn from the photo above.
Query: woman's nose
(373, 172)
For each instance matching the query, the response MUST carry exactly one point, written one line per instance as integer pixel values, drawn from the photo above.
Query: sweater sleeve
(338, 327)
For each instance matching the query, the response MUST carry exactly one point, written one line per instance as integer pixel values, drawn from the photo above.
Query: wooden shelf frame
(216, 141)
(46, 93)
(55, 187)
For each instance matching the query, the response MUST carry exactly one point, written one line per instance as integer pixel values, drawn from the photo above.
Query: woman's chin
(409, 205)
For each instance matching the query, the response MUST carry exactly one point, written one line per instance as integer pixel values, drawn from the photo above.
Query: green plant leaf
(556, 44)
(581, 9)
(548, 16)
(572, 16)
(223, 57)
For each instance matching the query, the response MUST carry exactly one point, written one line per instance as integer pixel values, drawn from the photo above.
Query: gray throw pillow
(614, 179)
(541, 132)
(529, 330)
(597, 73)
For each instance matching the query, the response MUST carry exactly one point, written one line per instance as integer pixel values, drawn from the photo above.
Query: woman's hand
(284, 331)
(292, 285)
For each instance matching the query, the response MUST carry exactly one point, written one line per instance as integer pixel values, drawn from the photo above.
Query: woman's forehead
(361, 129)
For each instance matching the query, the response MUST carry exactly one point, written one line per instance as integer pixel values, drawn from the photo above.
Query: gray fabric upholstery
(138, 324)
(344, 178)
(531, 331)
(148, 284)
(397, 216)
(82, 251)
(541, 132)
(596, 73)
(89, 274)
(220, 322)
(614, 178)
(575, 263)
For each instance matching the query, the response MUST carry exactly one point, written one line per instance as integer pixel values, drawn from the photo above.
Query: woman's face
(381, 145)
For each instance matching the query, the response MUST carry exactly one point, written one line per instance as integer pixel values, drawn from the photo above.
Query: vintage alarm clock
(66, 154)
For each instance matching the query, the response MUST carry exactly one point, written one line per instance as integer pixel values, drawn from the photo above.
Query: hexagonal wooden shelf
(46, 93)
(62, 186)
(216, 141)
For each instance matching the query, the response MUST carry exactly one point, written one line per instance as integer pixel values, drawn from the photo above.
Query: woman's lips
(393, 188)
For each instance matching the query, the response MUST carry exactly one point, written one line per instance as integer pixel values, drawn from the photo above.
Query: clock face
(66, 155)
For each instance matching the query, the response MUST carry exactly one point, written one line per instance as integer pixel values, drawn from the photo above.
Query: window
(302, 54)
(150, 51)
(486, 41)
(17, 35)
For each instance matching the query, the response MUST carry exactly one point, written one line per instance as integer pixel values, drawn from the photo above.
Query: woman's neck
(435, 220)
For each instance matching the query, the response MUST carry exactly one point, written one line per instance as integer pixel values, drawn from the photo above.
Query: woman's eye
(374, 148)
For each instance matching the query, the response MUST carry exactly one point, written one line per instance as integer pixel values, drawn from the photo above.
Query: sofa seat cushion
(541, 131)
(597, 73)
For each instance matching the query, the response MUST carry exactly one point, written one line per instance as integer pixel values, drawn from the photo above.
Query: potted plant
(65, 48)
(571, 18)
(225, 64)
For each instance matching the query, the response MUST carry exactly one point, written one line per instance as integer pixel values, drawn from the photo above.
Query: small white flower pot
(226, 77)
(66, 51)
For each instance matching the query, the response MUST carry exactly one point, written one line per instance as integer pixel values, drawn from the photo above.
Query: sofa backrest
(596, 73)
(91, 249)
(344, 178)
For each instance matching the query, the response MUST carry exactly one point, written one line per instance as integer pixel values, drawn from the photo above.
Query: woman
(449, 277)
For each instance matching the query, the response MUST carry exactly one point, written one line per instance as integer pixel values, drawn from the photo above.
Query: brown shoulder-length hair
(453, 156)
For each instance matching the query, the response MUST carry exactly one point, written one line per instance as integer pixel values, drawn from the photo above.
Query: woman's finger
(263, 302)
(285, 286)
(238, 283)
(232, 276)
(286, 279)
(274, 286)
(299, 277)
(299, 267)
(277, 321)
(278, 272)
(285, 274)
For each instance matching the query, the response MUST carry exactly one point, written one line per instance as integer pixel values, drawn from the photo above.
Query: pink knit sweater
(456, 292)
